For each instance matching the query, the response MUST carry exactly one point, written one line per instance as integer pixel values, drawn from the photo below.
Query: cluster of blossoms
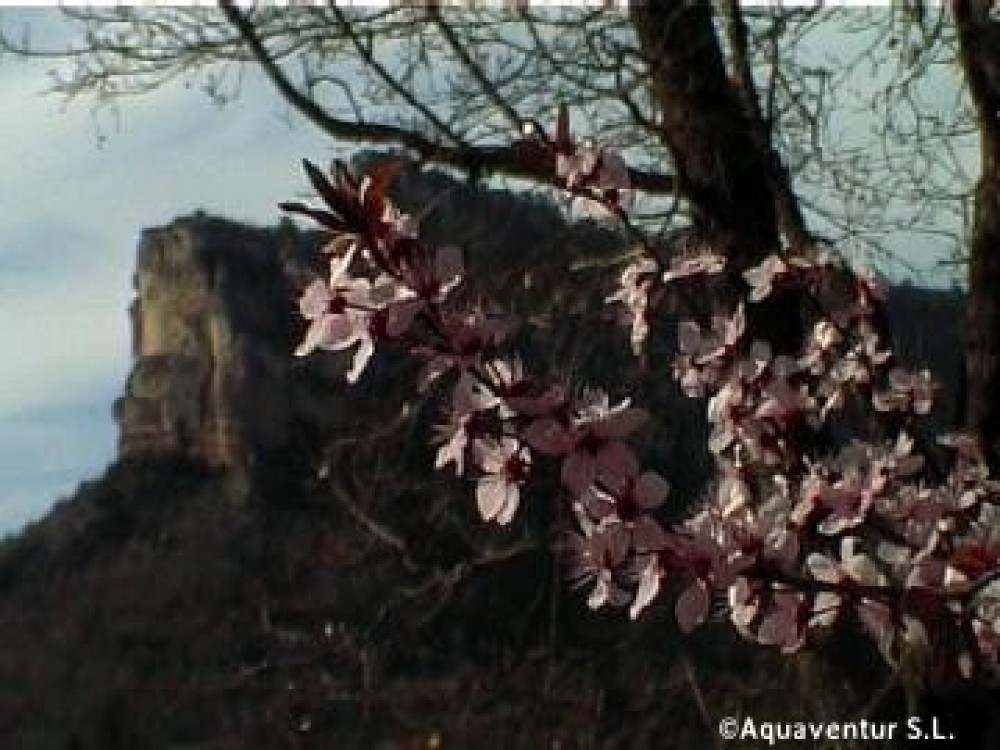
(794, 540)
(596, 176)
(794, 535)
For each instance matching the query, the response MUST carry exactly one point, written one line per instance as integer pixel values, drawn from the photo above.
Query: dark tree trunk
(717, 156)
(979, 39)
(724, 165)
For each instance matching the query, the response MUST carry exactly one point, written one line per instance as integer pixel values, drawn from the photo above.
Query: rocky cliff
(214, 322)
(211, 335)
(214, 318)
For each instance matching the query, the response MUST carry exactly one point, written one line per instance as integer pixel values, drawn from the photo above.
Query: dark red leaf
(343, 175)
(342, 201)
(326, 218)
(321, 185)
(562, 127)
(380, 180)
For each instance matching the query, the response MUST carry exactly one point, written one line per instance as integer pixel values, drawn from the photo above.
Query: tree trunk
(718, 162)
(979, 39)
(723, 165)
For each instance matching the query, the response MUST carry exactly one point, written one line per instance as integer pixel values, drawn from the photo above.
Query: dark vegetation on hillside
(338, 593)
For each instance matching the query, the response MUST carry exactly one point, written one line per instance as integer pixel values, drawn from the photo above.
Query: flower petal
(578, 471)
(361, 357)
(548, 437)
(692, 606)
(491, 496)
(650, 490)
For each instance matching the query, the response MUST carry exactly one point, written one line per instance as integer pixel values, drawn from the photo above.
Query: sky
(72, 206)
(75, 193)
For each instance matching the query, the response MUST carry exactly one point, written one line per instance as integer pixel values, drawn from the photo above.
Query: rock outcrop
(211, 331)
(214, 318)
(214, 322)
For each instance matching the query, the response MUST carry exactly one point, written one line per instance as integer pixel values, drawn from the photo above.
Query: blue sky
(72, 206)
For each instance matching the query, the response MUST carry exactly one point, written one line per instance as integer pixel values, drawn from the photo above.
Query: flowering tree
(829, 502)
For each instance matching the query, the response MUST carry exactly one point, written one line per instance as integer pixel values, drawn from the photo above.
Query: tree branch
(521, 160)
(474, 70)
(979, 52)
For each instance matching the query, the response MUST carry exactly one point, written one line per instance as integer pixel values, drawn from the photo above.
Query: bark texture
(720, 166)
(979, 38)
(723, 166)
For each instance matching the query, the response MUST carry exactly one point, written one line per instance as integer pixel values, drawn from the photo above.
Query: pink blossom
(535, 401)
(597, 558)
(634, 286)
(432, 281)
(578, 166)
(393, 225)
(705, 264)
(782, 403)
(331, 326)
(727, 415)
(351, 310)
(469, 399)
(550, 436)
(518, 394)
(465, 337)
(847, 503)
(986, 622)
(589, 440)
(591, 461)
(713, 564)
(820, 346)
(702, 356)
(908, 391)
(762, 535)
(879, 620)
(335, 309)
(624, 493)
(966, 446)
(864, 357)
(726, 333)
(782, 625)
(826, 609)
(649, 586)
(794, 541)
(815, 258)
(505, 464)
(594, 415)
(977, 553)
(733, 492)
(454, 445)
(601, 172)
(762, 278)
(744, 605)
(869, 287)
(595, 427)
(854, 565)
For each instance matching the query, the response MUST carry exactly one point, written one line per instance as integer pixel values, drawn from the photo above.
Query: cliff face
(214, 320)
(212, 325)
